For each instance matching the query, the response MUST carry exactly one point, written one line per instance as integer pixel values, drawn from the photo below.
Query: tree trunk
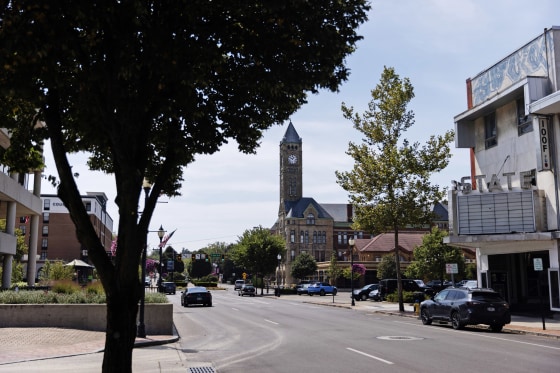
(122, 308)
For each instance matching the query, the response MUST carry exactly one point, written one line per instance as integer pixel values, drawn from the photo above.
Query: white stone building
(507, 205)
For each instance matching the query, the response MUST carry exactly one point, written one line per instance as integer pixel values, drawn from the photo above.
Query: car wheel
(185, 305)
(496, 328)
(456, 321)
(210, 304)
(310, 294)
(322, 293)
(364, 297)
(425, 316)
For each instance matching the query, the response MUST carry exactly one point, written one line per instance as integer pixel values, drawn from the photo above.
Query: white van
(238, 284)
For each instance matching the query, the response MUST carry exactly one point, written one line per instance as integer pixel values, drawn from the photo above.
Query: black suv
(363, 293)
(388, 286)
(463, 306)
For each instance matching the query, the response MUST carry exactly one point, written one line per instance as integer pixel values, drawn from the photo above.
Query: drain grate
(201, 370)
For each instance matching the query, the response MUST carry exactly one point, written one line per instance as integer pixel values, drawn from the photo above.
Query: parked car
(389, 286)
(238, 284)
(437, 286)
(168, 287)
(471, 284)
(374, 295)
(302, 289)
(247, 289)
(196, 295)
(321, 288)
(463, 306)
(363, 293)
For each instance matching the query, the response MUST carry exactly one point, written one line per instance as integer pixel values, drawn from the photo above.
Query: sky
(437, 44)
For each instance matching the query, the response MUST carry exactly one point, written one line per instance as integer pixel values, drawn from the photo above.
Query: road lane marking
(272, 322)
(235, 309)
(466, 332)
(370, 356)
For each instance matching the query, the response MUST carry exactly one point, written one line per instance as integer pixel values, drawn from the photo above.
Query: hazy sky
(437, 44)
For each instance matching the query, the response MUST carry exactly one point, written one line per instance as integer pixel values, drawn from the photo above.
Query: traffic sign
(451, 268)
(537, 264)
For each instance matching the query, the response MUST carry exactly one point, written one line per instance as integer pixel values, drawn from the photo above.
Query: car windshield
(487, 297)
(367, 287)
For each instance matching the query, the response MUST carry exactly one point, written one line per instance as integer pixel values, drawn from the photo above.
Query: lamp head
(351, 242)
(160, 231)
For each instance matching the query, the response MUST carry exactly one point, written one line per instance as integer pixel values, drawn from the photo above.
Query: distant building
(321, 229)
(507, 205)
(57, 233)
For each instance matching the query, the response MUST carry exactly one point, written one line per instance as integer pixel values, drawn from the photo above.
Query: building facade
(19, 197)
(506, 206)
(57, 233)
(304, 224)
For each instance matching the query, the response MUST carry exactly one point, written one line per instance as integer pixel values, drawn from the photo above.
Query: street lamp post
(160, 233)
(279, 257)
(351, 243)
(141, 332)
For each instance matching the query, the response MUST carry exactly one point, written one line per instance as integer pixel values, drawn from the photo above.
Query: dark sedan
(363, 293)
(463, 306)
(196, 295)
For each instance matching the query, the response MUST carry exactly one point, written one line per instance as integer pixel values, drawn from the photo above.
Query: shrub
(79, 297)
(65, 287)
(408, 297)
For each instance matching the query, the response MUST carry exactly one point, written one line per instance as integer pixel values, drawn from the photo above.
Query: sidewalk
(29, 344)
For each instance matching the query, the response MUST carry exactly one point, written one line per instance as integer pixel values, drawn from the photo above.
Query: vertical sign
(544, 143)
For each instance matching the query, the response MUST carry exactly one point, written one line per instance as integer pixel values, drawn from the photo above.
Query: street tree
(143, 87)
(257, 252)
(387, 267)
(334, 271)
(303, 265)
(431, 257)
(390, 182)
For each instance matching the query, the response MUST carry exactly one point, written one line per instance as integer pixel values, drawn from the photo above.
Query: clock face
(292, 159)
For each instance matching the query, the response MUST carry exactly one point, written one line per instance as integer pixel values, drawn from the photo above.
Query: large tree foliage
(145, 86)
(431, 257)
(303, 265)
(387, 267)
(389, 183)
(257, 251)
(333, 271)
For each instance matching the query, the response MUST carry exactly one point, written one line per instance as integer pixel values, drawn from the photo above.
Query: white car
(471, 284)
(238, 284)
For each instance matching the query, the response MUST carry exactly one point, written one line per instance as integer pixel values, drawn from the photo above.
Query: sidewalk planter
(158, 317)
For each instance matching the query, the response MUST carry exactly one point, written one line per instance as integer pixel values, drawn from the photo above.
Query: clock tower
(291, 179)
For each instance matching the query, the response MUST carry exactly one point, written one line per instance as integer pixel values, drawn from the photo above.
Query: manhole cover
(399, 338)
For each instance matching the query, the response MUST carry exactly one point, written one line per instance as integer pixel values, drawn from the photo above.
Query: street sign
(451, 268)
(215, 255)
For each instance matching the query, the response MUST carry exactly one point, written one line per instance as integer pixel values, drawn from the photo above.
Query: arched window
(311, 219)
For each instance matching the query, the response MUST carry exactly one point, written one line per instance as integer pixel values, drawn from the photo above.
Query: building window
(88, 205)
(46, 217)
(43, 255)
(524, 122)
(306, 239)
(324, 237)
(340, 238)
(301, 237)
(47, 204)
(22, 229)
(292, 236)
(45, 230)
(45, 243)
(310, 219)
(315, 237)
(490, 130)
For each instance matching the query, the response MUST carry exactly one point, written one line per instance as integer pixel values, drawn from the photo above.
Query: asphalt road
(246, 334)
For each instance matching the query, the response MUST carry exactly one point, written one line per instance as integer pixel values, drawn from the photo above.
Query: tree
(389, 183)
(257, 252)
(143, 87)
(355, 271)
(303, 265)
(387, 267)
(334, 271)
(431, 257)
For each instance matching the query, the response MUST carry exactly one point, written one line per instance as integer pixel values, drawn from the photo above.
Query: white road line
(272, 322)
(468, 333)
(235, 309)
(370, 356)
